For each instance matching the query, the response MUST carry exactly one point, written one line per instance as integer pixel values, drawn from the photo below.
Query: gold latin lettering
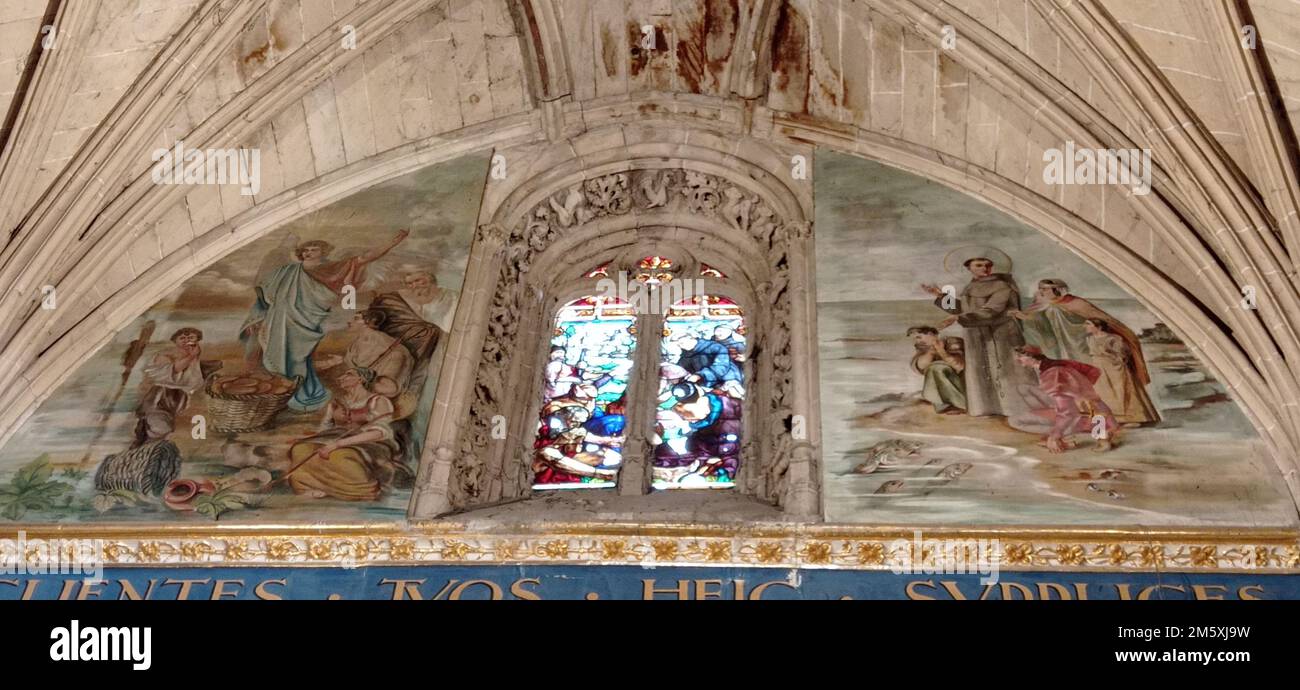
(954, 591)
(1247, 596)
(219, 589)
(89, 588)
(402, 589)
(493, 587)
(648, 590)
(186, 585)
(445, 588)
(1045, 590)
(757, 594)
(265, 594)
(517, 589)
(129, 591)
(1009, 587)
(1146, 593)
(915, 595)
(1202, 591)
(702, 593)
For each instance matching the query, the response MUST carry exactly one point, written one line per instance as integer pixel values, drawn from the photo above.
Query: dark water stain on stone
(608, 51)
(722, 23)
(260, 54)
(706, 45)
(827, 94)
(690, 55)
(790, 56)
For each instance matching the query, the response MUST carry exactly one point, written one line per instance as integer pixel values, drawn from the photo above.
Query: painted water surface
(973, 370)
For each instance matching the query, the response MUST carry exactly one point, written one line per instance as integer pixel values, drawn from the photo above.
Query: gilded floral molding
(776, 547)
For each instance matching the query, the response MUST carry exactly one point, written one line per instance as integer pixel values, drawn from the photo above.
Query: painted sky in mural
(288, 382)
(975, 371)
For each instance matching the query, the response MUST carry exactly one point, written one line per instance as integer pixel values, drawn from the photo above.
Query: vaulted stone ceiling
(430, 80)
(20, 24)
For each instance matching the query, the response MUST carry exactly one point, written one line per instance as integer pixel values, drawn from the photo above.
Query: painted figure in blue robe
(284, 325)
(727, 338)
(606, 423)
(712, 443)
(707, 362)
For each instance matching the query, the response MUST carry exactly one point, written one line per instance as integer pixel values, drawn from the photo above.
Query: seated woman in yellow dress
(354, 456)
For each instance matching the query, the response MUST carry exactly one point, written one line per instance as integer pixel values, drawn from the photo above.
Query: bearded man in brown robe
(984, 310)
(418, 315)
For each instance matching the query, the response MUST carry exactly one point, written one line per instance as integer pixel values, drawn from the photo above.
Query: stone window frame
(728, 214)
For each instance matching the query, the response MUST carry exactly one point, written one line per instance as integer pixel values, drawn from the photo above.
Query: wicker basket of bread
(247, 401)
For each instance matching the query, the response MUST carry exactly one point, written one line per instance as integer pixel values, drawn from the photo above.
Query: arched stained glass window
(581, 430)
(695, 383)
(690, 399)
(701, 392)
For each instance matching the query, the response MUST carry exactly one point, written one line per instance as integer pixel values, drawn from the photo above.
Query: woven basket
(232, 413)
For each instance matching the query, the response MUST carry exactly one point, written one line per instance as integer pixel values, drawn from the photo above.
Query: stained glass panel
(657, 263)
(701, 393)
(656, 270)
(580, 433)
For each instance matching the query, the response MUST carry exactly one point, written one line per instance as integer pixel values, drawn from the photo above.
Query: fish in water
(887, 454)
(867, 467)
(893, 451)
(954, 470)
(891, 486)
(948, 474)
(1112, 474)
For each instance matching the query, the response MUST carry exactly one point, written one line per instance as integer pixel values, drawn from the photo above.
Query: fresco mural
(288, 382)
(975, 371)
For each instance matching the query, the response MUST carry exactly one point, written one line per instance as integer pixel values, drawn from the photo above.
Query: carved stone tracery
(563, 213)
